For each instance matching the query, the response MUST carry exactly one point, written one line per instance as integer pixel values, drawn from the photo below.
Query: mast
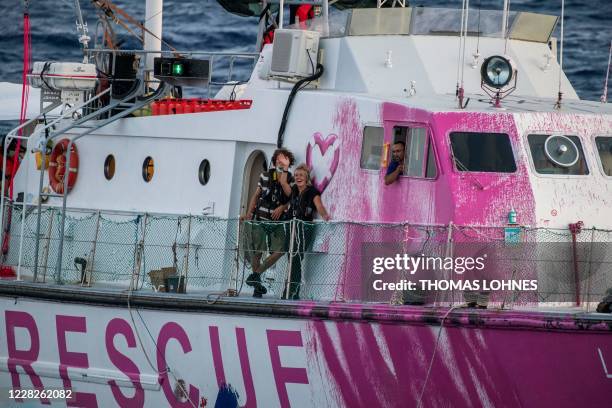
(82, 29)
(152, 37)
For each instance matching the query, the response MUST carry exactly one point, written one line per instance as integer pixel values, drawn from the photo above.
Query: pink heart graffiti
(330, 162)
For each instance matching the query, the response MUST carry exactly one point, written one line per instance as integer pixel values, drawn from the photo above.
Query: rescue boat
(124, 286)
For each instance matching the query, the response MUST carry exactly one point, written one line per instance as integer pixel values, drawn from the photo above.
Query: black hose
(294, 90)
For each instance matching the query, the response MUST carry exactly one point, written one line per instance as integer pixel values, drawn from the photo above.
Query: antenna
(504, 20)
(560, 95)
(459, 49)
(505, 30)
(476, 55)
(83, 31)
(604, 96)
(463, 36)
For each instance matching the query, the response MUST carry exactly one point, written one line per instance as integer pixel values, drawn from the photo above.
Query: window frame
(143, 169)
(550, 133)
(363, 128)
(110, 158)
(483, 173)
(203, 179)
(428, 142)
(596, 150)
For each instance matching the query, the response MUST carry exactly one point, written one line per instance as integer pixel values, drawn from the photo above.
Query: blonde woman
(305, 200)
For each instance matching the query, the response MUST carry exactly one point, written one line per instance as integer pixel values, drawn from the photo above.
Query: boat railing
(320, 261)
(226, 68)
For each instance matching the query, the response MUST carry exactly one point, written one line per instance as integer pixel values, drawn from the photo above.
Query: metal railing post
(212, 57)
(236, 257)
(589, 266)
(449, 253)
(26, 163)
(39, 213)
(289, 268)
(46, 250)
(139, 248)
(186, 267)
(93, 250)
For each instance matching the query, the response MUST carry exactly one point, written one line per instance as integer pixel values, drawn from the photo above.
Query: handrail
(160, 91)
(217, 53)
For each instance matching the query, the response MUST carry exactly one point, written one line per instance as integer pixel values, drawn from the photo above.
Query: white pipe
(281, 13)
(153, 23)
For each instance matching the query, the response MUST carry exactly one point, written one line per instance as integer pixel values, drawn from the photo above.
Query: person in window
(266, 207)
(396, 168)
(304, 202)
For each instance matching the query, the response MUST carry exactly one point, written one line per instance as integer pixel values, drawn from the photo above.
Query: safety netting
(323, 261)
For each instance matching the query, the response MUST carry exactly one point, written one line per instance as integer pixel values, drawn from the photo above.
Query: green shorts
(266, 236)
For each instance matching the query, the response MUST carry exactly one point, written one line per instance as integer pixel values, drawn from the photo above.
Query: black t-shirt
(301, 206)
(272, 194)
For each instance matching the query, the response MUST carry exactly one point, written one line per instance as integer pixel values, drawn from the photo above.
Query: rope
(25, 94)
(433, 356)
(467, 14)
(558, 104)
(604, 96)
(168, 369)
(460, 42)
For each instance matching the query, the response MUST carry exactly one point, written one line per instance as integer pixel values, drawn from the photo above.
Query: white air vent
(294, 53)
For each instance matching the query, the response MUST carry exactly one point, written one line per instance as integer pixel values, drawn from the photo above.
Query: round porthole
(109, 167)
(204, 172)
(148, 168)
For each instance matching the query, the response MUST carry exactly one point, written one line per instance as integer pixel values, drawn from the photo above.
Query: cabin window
(482, 152)
(372, 147)
(419, 160)
(604, 147)
(109, 167)
(204, 172)
(148, 168)
(557, 154)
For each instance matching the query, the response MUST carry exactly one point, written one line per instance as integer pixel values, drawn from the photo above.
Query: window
(482, 152)
(372, 147)
(204, 172)
(431, 171)
(148, 168)
(557, 154)
(109, 167)
(419, 160)
(604, 147)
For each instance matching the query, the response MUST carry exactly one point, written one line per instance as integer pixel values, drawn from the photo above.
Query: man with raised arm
(265, 208)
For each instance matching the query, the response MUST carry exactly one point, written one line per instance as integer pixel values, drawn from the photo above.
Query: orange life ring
(57, 166)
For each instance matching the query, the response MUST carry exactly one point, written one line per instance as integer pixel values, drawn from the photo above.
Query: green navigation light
(177, 68)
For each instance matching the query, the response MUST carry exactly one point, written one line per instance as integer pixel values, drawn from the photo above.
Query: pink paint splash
(347, 200)
(388, 365)
(329, 165)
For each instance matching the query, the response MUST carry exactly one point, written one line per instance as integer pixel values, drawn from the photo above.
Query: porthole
(109, 167)
(148, 168)
(204, 172)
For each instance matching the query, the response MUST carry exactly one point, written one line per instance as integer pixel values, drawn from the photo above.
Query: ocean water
(205, 25)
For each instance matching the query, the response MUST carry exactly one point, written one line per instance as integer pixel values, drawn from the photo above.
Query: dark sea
(205, 25)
